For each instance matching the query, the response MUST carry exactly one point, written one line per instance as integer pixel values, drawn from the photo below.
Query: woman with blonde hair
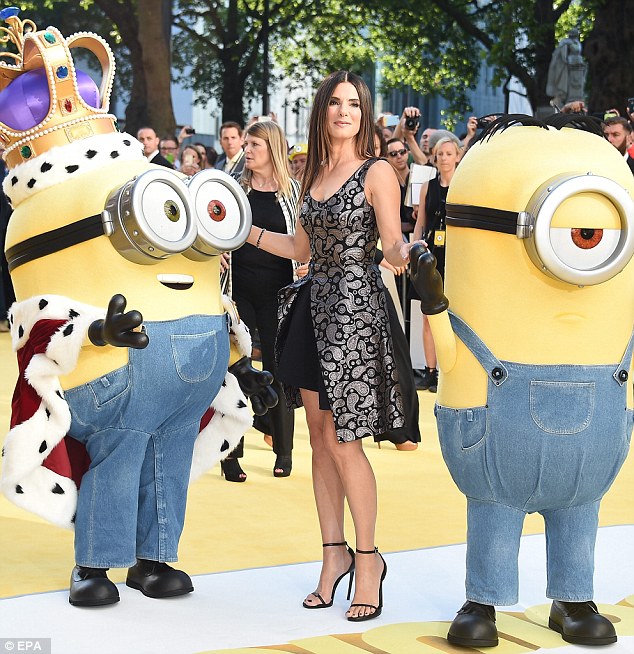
(430, 225)
(257, 275)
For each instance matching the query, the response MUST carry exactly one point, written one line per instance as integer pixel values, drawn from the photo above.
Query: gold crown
(69, 117)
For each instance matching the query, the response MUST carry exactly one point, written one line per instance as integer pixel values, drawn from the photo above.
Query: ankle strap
(334, 544)
(374, 551)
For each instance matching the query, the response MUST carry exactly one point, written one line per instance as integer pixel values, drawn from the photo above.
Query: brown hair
(378, 133)
(227, 125)
(318, 137)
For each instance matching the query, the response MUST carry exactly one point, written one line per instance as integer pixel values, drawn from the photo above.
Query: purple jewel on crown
(45, 101)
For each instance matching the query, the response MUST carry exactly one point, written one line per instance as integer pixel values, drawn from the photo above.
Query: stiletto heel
(232, 471)
(349, 571)
(377, 609)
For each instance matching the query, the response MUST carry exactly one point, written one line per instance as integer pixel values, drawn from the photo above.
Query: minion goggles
(555, 250)
(154, 216)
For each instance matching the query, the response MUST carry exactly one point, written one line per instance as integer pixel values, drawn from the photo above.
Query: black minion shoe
(474, 626)
(581, 623)
(158, 580)
(91, 587)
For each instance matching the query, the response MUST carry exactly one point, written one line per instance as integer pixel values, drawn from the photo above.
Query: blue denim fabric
(139, 424)
(550, 439)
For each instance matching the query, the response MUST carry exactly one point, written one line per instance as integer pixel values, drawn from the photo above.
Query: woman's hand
(189, 168)
(301, 271)
(395, 270)
(406, 247)
(225, 261)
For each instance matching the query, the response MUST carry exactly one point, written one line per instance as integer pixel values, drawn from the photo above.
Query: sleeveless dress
(334, 334)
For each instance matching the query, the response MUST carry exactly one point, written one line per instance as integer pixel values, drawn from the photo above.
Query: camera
(485, 121)
(411, 123)
(190, 130)
(610, 114)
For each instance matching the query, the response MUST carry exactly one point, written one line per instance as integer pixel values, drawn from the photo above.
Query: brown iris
(586, 239)
(216, 210)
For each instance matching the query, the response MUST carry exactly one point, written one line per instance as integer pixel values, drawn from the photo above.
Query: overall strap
(493, 367)
(621, 374)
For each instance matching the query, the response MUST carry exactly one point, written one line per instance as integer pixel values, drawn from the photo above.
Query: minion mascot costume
(534, 407)
(109, 399)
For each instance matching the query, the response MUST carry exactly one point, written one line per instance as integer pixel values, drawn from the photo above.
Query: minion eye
(172, 211)
(584, 249)
(150, 217)
(586, 238)
(164, 210)
(222, 213)
(591, 254)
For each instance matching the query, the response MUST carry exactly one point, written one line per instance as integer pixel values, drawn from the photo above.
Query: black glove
(255, 384)
(427, 280)
(117, 328)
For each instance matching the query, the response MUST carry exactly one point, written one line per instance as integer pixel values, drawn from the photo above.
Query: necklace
(268, 184)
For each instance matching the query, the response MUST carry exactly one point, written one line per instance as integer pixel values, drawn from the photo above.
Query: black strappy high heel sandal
(377, 609)
(349, 571)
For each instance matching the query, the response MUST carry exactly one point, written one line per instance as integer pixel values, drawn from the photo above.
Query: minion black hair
(558, 121)
(576, 121)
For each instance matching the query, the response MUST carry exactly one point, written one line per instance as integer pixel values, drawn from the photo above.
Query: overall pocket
(111, 386)
(562, 408)
(194, 355)
(463, 437)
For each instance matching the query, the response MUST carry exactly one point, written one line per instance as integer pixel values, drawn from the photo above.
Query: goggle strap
(54, 241)
(495, 220)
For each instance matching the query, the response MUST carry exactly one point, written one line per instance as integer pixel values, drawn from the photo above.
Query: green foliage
(432, 46)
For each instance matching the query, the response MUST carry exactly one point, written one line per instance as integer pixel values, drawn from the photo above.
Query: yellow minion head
(92, 218)
(540, 244)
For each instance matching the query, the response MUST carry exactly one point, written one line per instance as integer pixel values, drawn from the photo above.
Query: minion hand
(255, 385)
(427, 280)
(118, 327)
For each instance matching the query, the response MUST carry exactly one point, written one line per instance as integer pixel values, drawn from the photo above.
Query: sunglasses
(395, 152)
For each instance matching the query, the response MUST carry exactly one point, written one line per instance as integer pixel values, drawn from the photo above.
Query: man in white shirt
(231, 139)
(150, 142)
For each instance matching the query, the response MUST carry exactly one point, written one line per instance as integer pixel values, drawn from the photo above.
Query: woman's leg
(328, 499)
(342, 470)
(428, 344)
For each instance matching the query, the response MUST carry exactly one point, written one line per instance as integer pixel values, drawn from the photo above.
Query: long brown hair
(273, 134)
(319, 144)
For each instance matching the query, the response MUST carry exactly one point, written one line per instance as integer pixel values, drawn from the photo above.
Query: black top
(407, 223)
(253, 267)
(435, 205)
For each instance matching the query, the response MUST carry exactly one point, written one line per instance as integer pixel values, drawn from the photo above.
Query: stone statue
(567, 71)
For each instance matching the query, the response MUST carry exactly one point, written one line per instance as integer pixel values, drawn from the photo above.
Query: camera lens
(411, 123)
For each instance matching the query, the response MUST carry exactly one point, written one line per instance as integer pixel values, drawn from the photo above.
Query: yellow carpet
(268, 521)
(241, 541)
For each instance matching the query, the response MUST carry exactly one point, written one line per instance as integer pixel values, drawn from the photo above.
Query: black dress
(435, 209)
(256, 278)
(334, 334)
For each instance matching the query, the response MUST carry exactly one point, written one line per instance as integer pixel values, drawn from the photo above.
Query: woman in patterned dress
(334, 346)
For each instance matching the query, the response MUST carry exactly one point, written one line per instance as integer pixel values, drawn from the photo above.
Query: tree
(218, 44)
(148, 42)
(609, 49)
(142, 49)
(437, 46)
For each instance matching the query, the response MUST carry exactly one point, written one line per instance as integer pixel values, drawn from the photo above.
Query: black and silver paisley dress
(350, 325)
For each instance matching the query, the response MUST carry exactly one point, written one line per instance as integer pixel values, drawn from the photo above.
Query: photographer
(406, 131)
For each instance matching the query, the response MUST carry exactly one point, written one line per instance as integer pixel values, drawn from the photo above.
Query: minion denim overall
(551, 440)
